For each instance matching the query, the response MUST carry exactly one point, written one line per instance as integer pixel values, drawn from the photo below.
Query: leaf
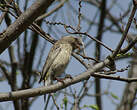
(121, 54)
(94, 107)
(65, 101)
(17, 72)
(114, 96)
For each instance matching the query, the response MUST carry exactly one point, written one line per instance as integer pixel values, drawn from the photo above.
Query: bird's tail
(47, 82)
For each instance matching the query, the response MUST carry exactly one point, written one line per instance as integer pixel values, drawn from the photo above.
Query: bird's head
(75, 42)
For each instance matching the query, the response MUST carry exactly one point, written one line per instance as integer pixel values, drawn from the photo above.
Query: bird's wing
(55, 50)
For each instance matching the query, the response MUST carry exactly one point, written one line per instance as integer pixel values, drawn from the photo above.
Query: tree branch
(9, 96)
(25, 19)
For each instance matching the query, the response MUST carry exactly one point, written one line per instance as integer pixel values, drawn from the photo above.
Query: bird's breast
(62, 60)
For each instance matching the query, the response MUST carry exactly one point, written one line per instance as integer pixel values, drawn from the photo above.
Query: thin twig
(126, 30)
(84, 33)
(52, 11)
(79, 17)
(55, 102)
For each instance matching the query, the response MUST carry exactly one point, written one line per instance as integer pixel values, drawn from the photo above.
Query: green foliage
(122, 55)
(114, 96)
(93, 107)
(65, 101)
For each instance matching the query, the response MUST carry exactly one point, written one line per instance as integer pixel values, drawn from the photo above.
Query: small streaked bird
(58, 58)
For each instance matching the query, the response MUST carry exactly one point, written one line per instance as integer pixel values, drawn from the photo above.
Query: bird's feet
(62, 79)
(68, 76)
(59, 80)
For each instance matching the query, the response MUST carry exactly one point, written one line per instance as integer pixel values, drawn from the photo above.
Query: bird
(58, 58)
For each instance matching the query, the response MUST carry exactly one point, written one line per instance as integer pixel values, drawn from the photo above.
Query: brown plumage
(58, 58)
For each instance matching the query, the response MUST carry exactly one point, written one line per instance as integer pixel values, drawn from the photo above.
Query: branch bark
(23, 21)
(9, 96)
(130, 89)
(53, 88)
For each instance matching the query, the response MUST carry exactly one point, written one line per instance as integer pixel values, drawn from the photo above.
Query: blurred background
(103, 19)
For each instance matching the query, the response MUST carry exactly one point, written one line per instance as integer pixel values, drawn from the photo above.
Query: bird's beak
(80, 46)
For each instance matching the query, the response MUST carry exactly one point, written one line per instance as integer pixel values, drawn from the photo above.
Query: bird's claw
(59, 80)
(68, 76)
